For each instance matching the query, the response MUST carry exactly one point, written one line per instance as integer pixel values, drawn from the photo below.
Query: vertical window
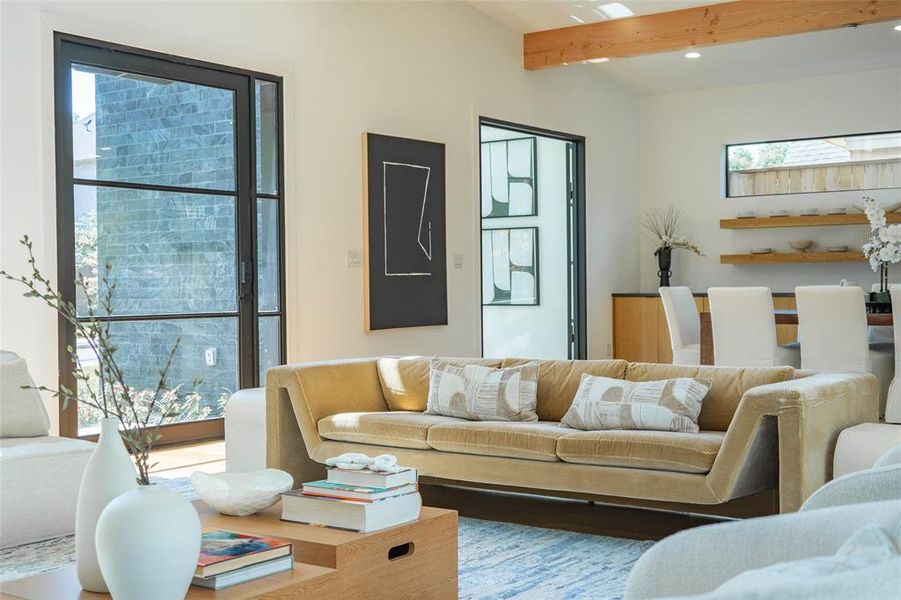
(169, 171)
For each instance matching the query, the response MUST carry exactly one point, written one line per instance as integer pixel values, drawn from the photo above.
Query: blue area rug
(497, 560)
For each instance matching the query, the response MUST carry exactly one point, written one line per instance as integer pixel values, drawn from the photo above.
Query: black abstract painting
(406, 264)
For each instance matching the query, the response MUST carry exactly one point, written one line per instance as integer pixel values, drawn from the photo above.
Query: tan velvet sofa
(766, 433)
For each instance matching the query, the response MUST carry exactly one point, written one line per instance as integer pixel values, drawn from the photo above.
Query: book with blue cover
(357, 493)
(223, 551)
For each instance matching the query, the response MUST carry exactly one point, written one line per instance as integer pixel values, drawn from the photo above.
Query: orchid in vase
(884, 246)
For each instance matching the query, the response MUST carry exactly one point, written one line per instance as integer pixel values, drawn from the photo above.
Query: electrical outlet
(210, 355)
(458, 261)
(354, 259)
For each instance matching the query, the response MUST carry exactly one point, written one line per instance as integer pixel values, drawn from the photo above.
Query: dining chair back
(684, 324)
(832, 324)
(744, 327)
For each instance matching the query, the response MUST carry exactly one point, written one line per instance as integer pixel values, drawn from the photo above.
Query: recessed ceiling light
(692, 55)
(598, 60)
(576, 19)
(614, 10)
(897, 27)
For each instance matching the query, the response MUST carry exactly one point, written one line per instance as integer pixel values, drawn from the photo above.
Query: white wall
(681, 150)
(540, 331)
(423, 70)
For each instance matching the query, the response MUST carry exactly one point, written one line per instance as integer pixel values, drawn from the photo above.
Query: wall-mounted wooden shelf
(790, 257)
(802, 221)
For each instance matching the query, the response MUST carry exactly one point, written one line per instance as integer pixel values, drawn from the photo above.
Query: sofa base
(757, 505)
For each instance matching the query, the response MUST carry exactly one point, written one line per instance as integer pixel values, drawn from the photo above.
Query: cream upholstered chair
(684, 324)
(832, 324)
(680, 565)
(744, 329)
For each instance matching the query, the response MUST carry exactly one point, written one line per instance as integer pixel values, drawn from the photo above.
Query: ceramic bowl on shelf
(241, 494)
(837, 249)
(779, 213)
(745, 214)
(801, 246)
(761, 250)
(839, 210)
(810, 212)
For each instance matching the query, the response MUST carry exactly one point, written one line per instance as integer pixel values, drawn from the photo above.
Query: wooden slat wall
(868, 175)
(640, 332)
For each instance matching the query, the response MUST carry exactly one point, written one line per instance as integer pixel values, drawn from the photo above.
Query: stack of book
(357, 500)
(228, 558)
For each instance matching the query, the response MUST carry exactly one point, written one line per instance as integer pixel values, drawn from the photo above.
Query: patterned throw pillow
(666, 405)
(481, 393)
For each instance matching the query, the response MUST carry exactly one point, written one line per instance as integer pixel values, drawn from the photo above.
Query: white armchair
(697, 561)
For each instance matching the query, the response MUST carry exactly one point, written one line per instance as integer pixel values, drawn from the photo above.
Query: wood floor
(182, 460)
(537, 511)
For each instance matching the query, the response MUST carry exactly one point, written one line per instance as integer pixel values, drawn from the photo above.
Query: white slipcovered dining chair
(893, 399)
(744, 329)
(684, 324)
(832, 325)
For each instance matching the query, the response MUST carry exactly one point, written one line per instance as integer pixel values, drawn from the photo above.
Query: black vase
(664, 262)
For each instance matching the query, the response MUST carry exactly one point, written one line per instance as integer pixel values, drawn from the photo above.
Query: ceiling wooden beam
(723, 23)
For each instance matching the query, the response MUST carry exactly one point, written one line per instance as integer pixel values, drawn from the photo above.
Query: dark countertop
(697, 295)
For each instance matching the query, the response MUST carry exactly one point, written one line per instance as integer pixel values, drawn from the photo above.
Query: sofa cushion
(481, 393)
(535, 440)
(660, 450)
(22, 411)
(665, 405)
(405, 380)
(558, 381)
(727, 386)
(399, 428)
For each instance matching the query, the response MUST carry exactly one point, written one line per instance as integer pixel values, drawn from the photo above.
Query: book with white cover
(347, 514)
(223, 580)
(371, 478)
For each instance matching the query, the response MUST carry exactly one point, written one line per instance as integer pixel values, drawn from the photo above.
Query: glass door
(530, 243)
(169, 192)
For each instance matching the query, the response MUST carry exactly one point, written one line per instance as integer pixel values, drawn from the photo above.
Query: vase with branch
(666, 228)
(130, 417)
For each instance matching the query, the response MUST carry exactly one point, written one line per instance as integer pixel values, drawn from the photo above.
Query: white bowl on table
(241, 494)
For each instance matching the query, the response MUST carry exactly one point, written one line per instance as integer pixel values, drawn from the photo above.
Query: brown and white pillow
(665, 405)
(480, 393)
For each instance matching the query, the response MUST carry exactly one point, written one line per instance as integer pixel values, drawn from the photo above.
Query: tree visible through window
(854, 162)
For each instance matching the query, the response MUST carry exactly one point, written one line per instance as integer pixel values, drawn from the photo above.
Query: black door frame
(72, 49)
(577, 290)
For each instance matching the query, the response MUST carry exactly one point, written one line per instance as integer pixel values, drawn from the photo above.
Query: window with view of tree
(827, 164)
(169, 189)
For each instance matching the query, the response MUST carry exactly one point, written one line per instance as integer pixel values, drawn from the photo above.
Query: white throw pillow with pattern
(480, 393)
(665, 405)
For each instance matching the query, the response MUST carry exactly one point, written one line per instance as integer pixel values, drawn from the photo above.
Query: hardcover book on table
(371, 478)
(248, 573)
(360, 493)
(223, 551)
(350, 514)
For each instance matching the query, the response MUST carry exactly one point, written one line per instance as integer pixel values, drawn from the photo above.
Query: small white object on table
(241, 494)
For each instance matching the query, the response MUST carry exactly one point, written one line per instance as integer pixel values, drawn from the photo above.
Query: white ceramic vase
(148, 543)
(110, 472)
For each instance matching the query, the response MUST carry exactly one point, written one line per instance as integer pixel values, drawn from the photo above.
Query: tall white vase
(148, 543)
(110, 472)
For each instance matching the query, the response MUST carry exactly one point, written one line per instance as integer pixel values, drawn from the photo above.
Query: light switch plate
(458, 261)
(354, 258)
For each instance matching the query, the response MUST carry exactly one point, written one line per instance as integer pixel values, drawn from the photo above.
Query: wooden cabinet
(640, 332)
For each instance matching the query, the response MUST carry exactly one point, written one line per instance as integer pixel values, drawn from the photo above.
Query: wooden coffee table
(416, 560)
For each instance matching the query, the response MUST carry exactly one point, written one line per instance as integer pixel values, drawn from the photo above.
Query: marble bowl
(801, 245)
(241, 494)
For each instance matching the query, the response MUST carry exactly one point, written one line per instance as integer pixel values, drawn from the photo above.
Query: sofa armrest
(797, 423)
(299, 396)
(697, 561)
